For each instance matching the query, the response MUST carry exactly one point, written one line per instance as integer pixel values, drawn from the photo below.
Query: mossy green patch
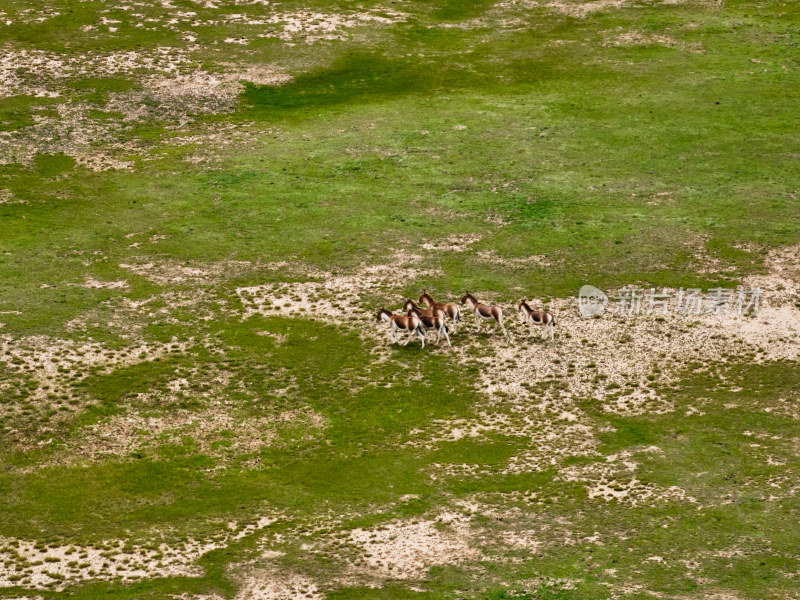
(17, 112)
(54, 164)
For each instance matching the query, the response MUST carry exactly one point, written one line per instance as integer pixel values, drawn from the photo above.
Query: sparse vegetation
(202, 205)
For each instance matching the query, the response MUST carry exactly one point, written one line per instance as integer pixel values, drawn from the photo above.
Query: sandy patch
(639, 38)
(310, 26)
(572, 8)
(335, 295)
(94, 284)
(453, 243)
(278, 584)
(700, 2)
(197, 92)
(102, 161)
(407, 549)
(38, 566)
(178, 97)
(170, 272)
(535, 260)
(8, 197)
(18, 67)
(168, 88)
(583, 9)
(550, 437)
(615, 480)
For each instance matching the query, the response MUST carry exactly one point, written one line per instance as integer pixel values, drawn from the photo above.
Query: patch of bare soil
(178, 98)
(95, 284)
(535, 260)
(334, 296)
(101, 161)
(582, 9)
(573, 8)
(8, 197)
(615, 480)
(38, 566)
(306, 26)
(453, 243)
(698, 2)
(310, 26)
(170, 272)
(37, 72)
(639, 38)
(128, 317)
(407, 549)
(278, 584)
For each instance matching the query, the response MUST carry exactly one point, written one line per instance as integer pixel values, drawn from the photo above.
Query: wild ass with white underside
(536, 317)
(410, 323)
(451, 309)
(431, 319)
(484, 311)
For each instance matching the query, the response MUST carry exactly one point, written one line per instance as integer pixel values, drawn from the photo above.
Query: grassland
(203, 205)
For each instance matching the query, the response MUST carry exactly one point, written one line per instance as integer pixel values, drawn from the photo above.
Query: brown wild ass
(536, 317)
(484, 311)
(431, 319)
(450, 308)
(410, 323)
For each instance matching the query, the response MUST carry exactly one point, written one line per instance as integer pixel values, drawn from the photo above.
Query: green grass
(619, 165)
(360, 464)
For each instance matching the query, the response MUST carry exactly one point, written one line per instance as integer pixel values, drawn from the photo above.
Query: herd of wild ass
(418, 320)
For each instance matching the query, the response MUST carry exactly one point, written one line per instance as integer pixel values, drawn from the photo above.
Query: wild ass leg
(444, 331)
(425, 331)
(499, 321)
